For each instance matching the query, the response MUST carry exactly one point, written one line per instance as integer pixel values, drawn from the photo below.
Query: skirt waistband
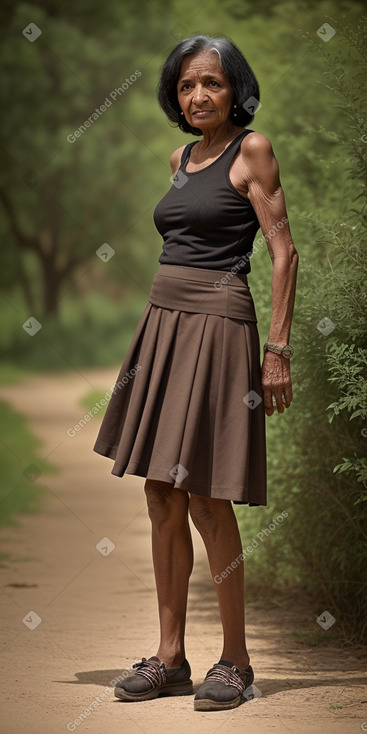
(199, 290)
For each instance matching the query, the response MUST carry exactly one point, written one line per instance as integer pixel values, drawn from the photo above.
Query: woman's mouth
(202, 113)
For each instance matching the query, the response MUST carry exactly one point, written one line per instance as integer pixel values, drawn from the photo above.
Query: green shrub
(21, 467)
(316, 452)
(96, 335)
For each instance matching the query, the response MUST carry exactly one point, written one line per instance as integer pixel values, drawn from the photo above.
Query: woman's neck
(217, 138)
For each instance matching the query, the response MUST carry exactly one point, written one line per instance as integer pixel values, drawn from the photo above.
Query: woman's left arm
(267, 198)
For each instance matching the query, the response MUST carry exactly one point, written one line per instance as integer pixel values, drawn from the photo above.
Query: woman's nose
(199, 94)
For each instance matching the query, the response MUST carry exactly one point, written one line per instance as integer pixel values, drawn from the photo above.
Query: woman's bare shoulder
(257, 145)
(259, 162)
(176, 158)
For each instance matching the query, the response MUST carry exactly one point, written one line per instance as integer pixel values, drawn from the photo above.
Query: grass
(315, 639)
(21, 467)
(11, 373)
(334, 706)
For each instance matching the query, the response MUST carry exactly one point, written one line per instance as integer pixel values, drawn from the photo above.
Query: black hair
(234, 65)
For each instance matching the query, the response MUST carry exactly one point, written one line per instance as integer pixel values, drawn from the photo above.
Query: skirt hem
(161, 476)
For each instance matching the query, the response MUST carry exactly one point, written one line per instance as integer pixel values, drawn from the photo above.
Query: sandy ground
(98, 610)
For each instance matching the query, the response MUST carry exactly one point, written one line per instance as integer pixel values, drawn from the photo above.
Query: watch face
(287, 351)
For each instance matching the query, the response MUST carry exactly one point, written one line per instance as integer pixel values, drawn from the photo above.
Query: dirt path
(98, 610)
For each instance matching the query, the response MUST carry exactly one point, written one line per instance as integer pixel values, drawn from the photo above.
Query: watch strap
(284, 351)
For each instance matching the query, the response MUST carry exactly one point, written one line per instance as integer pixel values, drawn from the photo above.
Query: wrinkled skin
(203, 86)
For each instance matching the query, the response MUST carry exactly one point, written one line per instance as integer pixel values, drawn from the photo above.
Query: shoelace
(152, 671)
(225, 675)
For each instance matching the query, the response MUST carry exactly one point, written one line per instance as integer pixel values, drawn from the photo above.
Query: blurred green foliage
(317, 451)
(90, 399)
(62, 200)
(20, 490)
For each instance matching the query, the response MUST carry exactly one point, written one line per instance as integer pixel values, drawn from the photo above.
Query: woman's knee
(165, 503)
(207, 513)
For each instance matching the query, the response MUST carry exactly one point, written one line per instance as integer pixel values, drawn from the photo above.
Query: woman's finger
(282, 397)
(278, 399)
(288, 394)
(268, 403)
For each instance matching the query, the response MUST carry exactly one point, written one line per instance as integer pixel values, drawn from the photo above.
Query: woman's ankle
(171, 659)
(240, 661)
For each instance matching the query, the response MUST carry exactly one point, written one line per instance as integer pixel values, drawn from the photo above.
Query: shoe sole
(206, 704)
(169, 689)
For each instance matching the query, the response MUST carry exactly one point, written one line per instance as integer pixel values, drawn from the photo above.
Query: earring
(181, 113)
(235, 113)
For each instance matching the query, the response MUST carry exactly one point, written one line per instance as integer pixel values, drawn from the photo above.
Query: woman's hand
(276, 381)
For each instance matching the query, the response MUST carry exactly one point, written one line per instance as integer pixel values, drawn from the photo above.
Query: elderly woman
(188, 408)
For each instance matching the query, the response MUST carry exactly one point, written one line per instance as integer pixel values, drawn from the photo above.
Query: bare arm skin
(264, 190)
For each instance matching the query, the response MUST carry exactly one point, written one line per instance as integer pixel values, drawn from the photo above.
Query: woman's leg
(173, 562)
(217, 524)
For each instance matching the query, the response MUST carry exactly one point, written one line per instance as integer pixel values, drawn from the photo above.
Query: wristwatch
(286, 351)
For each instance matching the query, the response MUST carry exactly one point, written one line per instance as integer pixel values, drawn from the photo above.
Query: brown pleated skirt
(187, 405)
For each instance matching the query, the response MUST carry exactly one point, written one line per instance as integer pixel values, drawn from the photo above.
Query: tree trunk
(51, 282)
(25, 285)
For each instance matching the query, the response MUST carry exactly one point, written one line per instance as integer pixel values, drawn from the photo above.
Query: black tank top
(204, 221)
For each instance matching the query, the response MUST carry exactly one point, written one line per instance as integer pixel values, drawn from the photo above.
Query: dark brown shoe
(223, 687)
(152, 678)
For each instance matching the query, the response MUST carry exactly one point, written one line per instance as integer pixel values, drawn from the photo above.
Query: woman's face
(203, 90)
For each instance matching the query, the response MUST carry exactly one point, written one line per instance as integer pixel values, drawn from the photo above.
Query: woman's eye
(185, 87)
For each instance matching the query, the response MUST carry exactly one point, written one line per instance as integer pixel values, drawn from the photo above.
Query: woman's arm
(266, 196)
